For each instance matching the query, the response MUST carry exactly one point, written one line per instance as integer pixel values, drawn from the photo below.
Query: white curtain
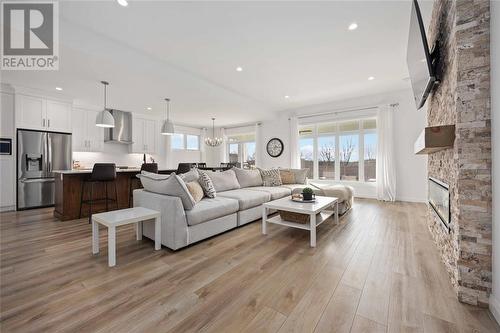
(258, 145)
(294, 143)
(203, 146)
(223, 148)
(386, 168)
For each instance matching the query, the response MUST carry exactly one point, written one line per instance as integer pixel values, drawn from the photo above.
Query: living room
(250, 166)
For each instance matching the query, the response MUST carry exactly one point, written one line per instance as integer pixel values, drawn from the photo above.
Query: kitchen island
(68, 187)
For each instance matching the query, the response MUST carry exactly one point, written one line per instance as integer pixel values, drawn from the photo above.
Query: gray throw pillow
(271, 177)
(190, 176)
(171, 185)
(248, 178)
(223, 181)
(207, 185)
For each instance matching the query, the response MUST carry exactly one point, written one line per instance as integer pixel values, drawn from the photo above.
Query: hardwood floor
(376, 271)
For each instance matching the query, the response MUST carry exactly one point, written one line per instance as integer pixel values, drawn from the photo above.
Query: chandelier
(213, 141)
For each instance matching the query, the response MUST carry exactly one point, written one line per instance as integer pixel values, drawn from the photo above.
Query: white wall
(7, 162)
(495, 125)
(409, 122)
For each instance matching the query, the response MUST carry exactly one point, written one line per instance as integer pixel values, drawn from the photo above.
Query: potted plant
(307, 193)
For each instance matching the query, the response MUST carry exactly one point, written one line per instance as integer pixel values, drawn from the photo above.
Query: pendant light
(105, 118)
(168, 125)
(213, 141)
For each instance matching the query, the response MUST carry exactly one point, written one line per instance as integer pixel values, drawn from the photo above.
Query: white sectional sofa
(211, 216)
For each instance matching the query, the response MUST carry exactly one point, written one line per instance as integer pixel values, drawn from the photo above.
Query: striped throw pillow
(271, 177)
(207, 185)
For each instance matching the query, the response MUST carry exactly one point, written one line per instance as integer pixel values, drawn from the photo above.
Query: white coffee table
(319, 206)
(120, 217)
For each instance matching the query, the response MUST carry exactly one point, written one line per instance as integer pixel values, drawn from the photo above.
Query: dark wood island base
(68, 186)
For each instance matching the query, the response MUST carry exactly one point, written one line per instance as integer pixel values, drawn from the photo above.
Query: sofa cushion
(297, 188)
(211, 208)
(190, 176)
(223, 181)
(276, 192)
(247, 198)
(172, 185)
(248, 178)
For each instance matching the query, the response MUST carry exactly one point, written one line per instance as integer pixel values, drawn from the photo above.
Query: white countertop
(83, 171)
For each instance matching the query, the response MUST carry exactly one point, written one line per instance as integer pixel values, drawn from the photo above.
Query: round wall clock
(275, 147)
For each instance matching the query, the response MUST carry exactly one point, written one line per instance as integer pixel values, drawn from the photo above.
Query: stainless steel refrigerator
(38, 154)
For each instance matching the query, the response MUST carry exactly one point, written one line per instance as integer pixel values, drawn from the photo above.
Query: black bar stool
(185, 167)
(101, 173)
(136, 184)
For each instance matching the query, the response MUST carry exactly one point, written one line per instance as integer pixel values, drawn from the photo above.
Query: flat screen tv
(419, 58)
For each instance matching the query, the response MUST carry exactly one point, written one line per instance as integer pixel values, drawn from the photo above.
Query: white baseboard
(7, 208)
(495, 307)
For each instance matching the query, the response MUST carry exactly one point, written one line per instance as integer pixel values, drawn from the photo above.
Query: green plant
(307, 190)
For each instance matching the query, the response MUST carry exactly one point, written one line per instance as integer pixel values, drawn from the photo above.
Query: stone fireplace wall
(463, 98)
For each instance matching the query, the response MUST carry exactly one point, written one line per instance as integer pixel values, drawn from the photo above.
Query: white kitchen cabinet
(144, 134)
(39, 113)
(7, 115)
(58, 116)
(86, 135)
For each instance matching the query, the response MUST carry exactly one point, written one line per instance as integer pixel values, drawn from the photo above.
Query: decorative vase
(307, 196)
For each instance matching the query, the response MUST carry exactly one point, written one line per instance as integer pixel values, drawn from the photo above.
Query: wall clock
(275, 147)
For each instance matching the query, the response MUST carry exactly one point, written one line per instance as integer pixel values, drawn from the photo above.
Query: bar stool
(101, 173)
(149, 167)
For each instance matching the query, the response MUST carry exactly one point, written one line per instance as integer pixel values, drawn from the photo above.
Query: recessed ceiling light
(239, 69)
(353, 26)
(149, 108)
(123, 3)
(58, 88)
(371, 78)
(286, 96)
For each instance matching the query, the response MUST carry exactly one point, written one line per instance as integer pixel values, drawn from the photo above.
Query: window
(192, 142)
(234, 155)
(179, 141)
(344, 150)
(241, 150)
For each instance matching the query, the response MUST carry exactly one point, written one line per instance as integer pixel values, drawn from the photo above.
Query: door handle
(37, 180)
(48, 122)
(43, 122)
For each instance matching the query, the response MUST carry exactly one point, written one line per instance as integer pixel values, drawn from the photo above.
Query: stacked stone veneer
(463, 99)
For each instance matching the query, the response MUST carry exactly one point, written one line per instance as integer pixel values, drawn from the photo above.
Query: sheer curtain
(258, 144)
(223, 147)
(294, 143)
(203, 146)
(386, 168)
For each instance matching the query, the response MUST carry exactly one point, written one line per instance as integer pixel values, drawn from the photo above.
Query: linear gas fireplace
(439, 200)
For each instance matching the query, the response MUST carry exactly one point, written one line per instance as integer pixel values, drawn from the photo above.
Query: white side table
(116, 218)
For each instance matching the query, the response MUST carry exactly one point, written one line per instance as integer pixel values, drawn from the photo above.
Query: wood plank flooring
(376, 271)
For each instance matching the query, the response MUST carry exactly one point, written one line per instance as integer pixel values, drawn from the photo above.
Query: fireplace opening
(439, 200)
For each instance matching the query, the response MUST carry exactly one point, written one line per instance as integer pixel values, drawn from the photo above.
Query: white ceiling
(188, 51)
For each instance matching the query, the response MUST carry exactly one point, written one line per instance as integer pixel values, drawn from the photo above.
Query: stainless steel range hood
(435, 138)
(122, 132)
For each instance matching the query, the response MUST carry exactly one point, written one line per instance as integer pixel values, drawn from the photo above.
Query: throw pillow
(196, 190)
(223, 181)
(190, 176)
(287, 176)
(300, 175)
(173, 185)
(207, 185)
(271, 177)
(248, 178)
